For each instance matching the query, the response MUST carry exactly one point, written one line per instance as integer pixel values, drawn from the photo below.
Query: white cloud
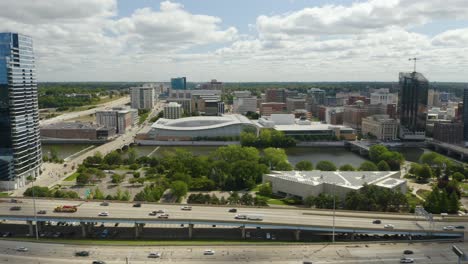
(368, 40)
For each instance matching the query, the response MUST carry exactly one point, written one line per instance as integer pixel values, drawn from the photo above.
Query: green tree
(83, 178)
(113, 158)
(283, 166)
(131, 155)
(37, 191)
(368, 166)
(98, 194)
(309, 201)
(383, 166)
(304, 165)
(376, 152)
(453, 203)
(179, 189)
(149, 194)
(424, 173)
(117, 178)
(265, 189)
(325, 165)
(347, 167)
(458, 176)
(247, 199)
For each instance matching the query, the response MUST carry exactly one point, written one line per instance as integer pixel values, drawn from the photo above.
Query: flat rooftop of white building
(349, 179)
(201, 122)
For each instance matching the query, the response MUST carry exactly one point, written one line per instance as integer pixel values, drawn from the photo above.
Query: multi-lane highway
(435, 253)
(274, 216)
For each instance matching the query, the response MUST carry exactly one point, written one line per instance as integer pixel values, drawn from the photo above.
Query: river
(337, 155)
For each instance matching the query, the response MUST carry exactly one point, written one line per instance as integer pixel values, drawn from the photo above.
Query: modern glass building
(179, 83)
(413, 105)
(20, 145)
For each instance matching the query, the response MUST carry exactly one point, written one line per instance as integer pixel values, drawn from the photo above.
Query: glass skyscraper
(20, 145)
(179, 83)
(413, 105)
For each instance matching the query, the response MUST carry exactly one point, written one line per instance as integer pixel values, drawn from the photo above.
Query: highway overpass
(296, 220)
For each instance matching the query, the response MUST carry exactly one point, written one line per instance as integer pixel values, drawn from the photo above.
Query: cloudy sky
(242, 40)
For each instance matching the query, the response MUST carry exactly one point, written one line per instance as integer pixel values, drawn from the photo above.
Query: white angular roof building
(313, 183)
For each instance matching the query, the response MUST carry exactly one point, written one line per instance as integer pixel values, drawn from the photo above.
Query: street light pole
(34, 208)
(334, 210)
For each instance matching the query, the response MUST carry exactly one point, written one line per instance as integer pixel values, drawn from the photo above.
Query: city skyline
(282, 41)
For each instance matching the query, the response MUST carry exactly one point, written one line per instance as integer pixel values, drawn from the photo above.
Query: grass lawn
(276, 201)
(423, 193)
(413, 200)
(464, 187)
(108, 99)
(72, 177)
(256, 188)
(4, 194)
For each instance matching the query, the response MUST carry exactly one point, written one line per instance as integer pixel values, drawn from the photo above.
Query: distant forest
(256, 87)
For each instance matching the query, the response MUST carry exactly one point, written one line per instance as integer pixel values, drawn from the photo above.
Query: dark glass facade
(20, 146)
(413, 102)
(179, 83)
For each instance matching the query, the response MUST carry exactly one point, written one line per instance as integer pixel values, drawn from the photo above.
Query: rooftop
(201, 122)
(348, 179)
(71, 125)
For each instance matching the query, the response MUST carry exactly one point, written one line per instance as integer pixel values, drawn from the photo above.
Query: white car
(22, 249)
(154, 255)
(209, 252)
(103, 214)
(406, 260)
(163, 216)
(186, 208)
(389, 226)
(449, 228)
(240, 216)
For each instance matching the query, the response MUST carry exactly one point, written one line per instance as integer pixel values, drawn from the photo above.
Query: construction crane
(414, 59)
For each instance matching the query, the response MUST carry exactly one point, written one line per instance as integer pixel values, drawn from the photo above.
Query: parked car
(233, 210)
(377, 221)
(82, 253)
(408, 252)
(208, 252)
(154, 255)
(7, 234)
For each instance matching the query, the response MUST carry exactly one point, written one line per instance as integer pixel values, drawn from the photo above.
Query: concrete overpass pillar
(297, 234)
(31, 227)
(242, 228)
(190, 231)
(84, 230)
(138, 230)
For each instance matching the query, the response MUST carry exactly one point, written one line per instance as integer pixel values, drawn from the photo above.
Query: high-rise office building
(413, 105)
(179, 83)
(143, 97)
(465, 114)
(276, 95)
(20, 145)
(173, 110)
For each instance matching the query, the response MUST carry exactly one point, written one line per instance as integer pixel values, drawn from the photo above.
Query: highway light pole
(34, 208)
(334, 210)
